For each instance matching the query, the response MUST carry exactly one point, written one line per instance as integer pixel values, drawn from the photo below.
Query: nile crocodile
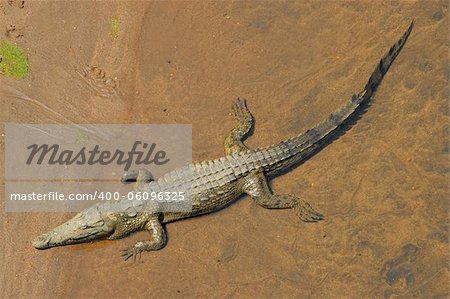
(217, 183)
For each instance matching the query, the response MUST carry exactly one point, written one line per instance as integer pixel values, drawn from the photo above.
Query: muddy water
(383, 186)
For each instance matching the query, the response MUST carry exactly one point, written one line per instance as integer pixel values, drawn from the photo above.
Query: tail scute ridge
(386, 62)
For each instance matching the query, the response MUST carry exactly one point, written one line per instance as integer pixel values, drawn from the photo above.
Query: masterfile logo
(53, 155)
(64, 167)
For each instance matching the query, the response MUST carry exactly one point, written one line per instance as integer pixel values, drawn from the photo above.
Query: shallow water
(382, 186)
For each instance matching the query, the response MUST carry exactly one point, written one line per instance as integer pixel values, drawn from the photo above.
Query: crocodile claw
(306, 213)
(132, 251)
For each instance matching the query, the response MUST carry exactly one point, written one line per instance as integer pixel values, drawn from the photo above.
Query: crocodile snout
(42, 242)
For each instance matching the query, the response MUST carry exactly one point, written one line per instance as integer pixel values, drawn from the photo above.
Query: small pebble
(437, 16)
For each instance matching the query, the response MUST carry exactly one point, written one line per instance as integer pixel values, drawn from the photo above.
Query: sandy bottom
(383, 186)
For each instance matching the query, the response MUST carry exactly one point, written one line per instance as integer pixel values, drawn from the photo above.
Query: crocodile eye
(84, 226)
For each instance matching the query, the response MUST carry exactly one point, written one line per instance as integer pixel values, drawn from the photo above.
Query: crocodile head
(90, 224)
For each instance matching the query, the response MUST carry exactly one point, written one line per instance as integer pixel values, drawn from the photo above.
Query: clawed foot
(240, 111)
(133, 251)
(306, 213)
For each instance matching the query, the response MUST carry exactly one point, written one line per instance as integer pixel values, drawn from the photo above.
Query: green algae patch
(115, 26)
(13, 60)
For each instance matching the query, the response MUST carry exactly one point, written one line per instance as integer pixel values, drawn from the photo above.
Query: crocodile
(219, 182)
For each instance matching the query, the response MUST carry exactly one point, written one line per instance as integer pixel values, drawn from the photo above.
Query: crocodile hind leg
(256, 186)
(158, 240)
(244, 119)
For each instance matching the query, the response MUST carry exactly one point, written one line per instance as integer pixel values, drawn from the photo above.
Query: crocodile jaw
(86, 226)
(60, 236)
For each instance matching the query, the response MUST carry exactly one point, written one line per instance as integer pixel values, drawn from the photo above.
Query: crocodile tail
(383, 66)
(302, 146)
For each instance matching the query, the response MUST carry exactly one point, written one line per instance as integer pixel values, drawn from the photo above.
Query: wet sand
(382, 186)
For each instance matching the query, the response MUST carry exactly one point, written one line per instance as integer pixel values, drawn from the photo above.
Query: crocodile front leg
(158, 240)
(244, 119)
(256, 186)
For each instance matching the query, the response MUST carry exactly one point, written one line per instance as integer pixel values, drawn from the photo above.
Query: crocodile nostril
(41, 242)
